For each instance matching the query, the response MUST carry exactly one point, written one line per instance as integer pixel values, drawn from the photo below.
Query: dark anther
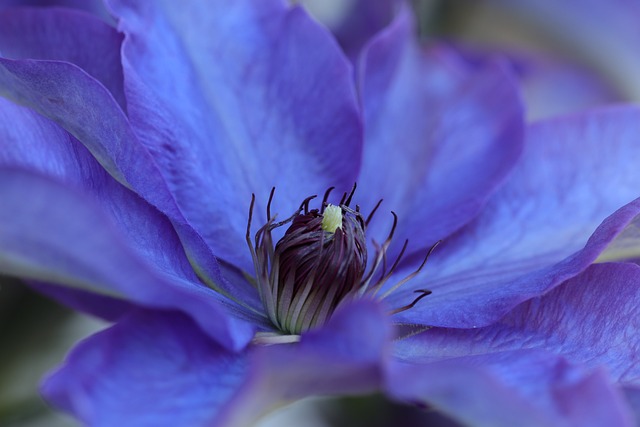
(325, 198)
(423, 293)
(353, 190)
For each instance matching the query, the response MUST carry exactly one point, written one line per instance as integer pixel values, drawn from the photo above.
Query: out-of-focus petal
(152, 368)
(65, 35)
(626, 245)
(159, 369)
(550, 86)
(52, 232)
(357, 21)
(523, 388)
(632, 395)
(534, 233)
(600, 32)
(336, 359)
(95, 7)
(233, 99)
(100, 305)
(438, 140)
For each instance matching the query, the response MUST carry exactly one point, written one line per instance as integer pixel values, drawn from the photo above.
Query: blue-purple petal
(52, 232)
(338, 359)
(83, 107)
(361, 22)
(158, 368)
(152, 368)
(562, 352)
(438, 139)
(537, 230)
(523, 388)
(588, 320)
(233, 99)
(65, 35)
(95, 7)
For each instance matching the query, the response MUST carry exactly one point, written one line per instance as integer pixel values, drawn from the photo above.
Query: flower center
(332, 218)
(319, 263)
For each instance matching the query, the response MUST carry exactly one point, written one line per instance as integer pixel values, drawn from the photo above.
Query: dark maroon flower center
(319, 263)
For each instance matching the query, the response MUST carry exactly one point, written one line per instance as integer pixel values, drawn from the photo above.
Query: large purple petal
(83, 107)
(523, 388)
(159, 369)
(65, 35)
(31, 141)
(95, 7)
(588, 321)
(438, 140)
(535, 232)
(345, 357)
(151, 369)
(234, 98)
(51, 232)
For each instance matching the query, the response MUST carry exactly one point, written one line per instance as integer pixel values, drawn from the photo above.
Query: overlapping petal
(53, 233)
(83, 107)
(165, 371)
(65, 35)
(362, 21)
(560, 351)
(438, 139)
(231, 100)
(535, 232)
(162, 371)
(95, 7)
(523, 388)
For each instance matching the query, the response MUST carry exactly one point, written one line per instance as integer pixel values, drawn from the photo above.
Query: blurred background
(568, 56)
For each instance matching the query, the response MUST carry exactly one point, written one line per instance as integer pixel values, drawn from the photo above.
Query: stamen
(325, 198)
(415, 273)
(353, 190)
(375, 208)
(273, 190)
(319, 263)
(423, 292)
(305, 204)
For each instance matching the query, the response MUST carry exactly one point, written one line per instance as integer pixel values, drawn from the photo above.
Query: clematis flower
(137, 162)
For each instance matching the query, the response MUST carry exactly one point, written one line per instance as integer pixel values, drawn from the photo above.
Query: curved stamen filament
(314, 268)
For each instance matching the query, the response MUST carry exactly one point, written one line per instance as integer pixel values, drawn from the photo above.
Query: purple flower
(128, 163)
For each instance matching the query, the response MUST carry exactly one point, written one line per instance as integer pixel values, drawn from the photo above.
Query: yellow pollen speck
(332, 218)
